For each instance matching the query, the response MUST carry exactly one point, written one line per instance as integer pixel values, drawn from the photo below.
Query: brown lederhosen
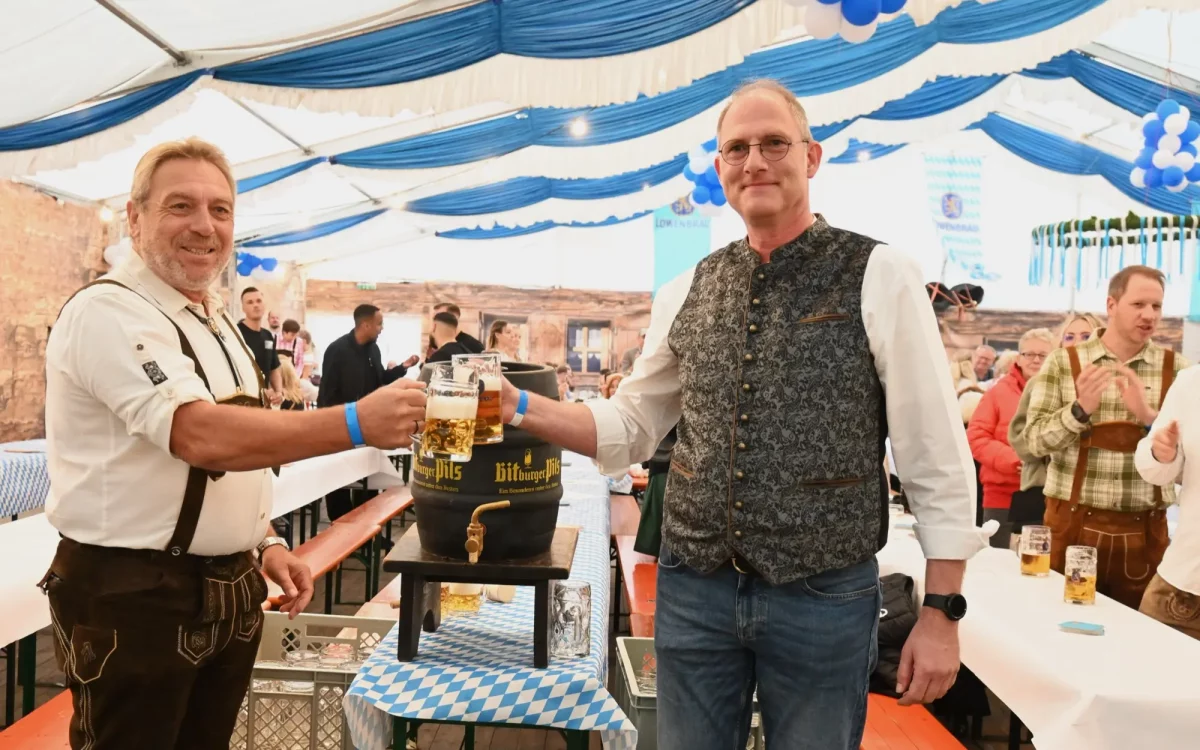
(157, 645)
(1129, 545)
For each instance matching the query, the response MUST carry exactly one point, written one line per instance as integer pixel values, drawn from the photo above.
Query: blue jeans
(808, 646)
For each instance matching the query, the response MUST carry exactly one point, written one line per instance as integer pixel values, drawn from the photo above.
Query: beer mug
(489, 424)
(1035, 551)
(1080, 575)
(452, 398)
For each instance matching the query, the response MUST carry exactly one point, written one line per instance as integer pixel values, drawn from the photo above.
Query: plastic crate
(295, 703)
(638, 697)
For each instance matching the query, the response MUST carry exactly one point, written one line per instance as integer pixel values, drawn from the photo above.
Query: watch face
(956, 606)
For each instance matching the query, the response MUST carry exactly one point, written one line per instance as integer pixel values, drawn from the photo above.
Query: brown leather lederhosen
(1130, 545)
(157, 645)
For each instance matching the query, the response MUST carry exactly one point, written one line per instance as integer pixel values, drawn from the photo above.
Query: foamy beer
(1035, 551)
(452, 398)
(489, 425)
(1080, 575)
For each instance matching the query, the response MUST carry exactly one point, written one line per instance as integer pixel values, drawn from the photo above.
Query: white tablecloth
(26, 548)
(300, 483)
(1133, 688)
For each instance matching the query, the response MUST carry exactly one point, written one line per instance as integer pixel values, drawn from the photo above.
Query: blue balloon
(1193, 174)
(700, 195)
(1188, 148)
(1153, 130)
(1191, 132)
(861, 12)
(829, 2)
(1154, 177)
(689, 174)
(1145, 158)
(244, 269)
(1166, 108)
(891, 6)
(710, 144)
(710, 176)
(269, 264)
(1172, 176)
(717, 198)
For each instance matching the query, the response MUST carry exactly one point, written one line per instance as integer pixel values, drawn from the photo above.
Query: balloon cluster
(1169, 156)
(855, 20)
(708, 196)
(251, 265)
(114, 255)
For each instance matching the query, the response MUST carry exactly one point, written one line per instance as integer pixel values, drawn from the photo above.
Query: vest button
(739, 475)
(746, 387)
(753, 328)
(737, 534)
(741, 446)
(748, 358)
(738, 505)
(762, 276)
(745, 418)
(754, 302)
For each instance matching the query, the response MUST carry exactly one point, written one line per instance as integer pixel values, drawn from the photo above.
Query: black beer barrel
(523, 469)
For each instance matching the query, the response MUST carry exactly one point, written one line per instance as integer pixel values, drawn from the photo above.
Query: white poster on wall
(401, 337)
(954, 187)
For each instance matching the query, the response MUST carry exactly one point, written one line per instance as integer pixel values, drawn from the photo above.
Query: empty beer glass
(452, 399)
(1080, 575)
(1035, 551)
(489, 427)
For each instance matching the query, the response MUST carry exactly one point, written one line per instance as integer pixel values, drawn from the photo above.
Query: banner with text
(954, 184)
(682, 236)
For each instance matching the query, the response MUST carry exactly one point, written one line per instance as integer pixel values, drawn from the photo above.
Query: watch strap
(271, 541)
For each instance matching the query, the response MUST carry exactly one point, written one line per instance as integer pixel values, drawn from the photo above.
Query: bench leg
(469, 737)
(315, 508)
(329, 593)
(10, 684)
(541, 625)
(27, 664)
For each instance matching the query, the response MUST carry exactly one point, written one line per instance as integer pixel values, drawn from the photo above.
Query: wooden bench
(325, 553)
(891, 726)
(624, 516)
(639, 576)
(46, 728)
(379, 510)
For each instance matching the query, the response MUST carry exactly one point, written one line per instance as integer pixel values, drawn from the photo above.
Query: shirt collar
(1093, 350)
(134, 272)
(810, 240)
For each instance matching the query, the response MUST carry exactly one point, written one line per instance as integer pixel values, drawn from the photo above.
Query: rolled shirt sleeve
(126, 354)
(1152, 470)
(924, 421)
(631, 424)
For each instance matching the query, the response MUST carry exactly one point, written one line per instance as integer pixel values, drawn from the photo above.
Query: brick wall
(547, 311)
(47, 251)
(1003, 328)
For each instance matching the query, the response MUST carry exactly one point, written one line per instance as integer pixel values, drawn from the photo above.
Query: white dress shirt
(1181, 564)
(115, 374)
(924, 423)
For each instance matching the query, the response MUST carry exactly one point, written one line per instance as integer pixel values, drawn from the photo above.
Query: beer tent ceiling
(83, 52)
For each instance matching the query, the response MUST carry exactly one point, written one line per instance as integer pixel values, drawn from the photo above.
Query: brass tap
(476, 530)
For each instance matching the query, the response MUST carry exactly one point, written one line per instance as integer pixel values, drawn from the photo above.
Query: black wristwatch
(953, 605)
(1078, 412)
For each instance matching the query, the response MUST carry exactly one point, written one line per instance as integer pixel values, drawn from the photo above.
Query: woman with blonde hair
(293, 395)
(1029, 503)
(999, 465)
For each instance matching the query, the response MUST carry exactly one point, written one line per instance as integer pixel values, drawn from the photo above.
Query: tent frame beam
(129, 20)
(1142, 67)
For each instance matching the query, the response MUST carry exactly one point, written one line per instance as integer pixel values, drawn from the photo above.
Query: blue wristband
(356, 435)
(523, 403)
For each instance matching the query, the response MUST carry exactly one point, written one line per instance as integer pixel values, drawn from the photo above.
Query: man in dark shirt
(446, 338)
(353, 368)
(260, 341)
(471, 344)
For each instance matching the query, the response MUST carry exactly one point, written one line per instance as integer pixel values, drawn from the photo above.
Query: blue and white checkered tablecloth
(479, 668)
(24, 478)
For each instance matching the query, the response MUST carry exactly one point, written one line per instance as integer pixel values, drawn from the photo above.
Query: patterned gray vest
(780, 450)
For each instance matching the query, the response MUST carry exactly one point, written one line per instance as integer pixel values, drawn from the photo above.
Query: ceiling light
(864, 155)
(579, 127)
(106, 214)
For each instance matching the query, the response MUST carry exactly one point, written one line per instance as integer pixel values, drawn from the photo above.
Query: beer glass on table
(1035, 551)
(489, 424)
(452, 398)
(1080, 575)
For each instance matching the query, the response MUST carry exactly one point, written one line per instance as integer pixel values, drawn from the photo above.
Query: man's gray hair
(774, 87)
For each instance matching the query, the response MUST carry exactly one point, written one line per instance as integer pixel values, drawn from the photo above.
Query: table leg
(576, 739)
(10, 683)
(315, 509)
(329, 593)
(27, 665)
(303, 523)
(412, 614)
(1014, 732)
(616, 597)
(399, 733)
(541, 624)
(291, 529)
(469, 737)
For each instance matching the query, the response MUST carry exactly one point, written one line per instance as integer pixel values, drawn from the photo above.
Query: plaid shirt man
(1111, 482)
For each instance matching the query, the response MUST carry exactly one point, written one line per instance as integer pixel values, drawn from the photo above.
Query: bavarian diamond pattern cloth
(24, 479)
(478, 668)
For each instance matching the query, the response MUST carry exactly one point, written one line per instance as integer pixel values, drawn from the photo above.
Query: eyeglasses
(1070, 338)
(772, 148)
(1034, 356)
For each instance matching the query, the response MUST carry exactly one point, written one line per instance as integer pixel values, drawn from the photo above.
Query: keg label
(516, 477)
(430, 473)
(535, 469)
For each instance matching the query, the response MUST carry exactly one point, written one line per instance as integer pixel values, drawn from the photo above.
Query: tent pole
(179, 57)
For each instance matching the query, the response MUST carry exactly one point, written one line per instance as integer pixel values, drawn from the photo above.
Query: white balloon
(1176, 123)
(1178, 188)
(700, 165)
(1184, 160)
(1169, 143)
(823, 21)
(797, 3)
(261, 274)
(697, 154)
(855, 34)
(1150, 116)
(1138, 177)
(1187, 115)
(708, 209)
(1163, 159)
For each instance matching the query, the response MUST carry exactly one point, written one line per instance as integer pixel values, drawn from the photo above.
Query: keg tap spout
(476, 530)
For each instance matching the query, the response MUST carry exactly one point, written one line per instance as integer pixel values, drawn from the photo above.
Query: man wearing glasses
(784, 357)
